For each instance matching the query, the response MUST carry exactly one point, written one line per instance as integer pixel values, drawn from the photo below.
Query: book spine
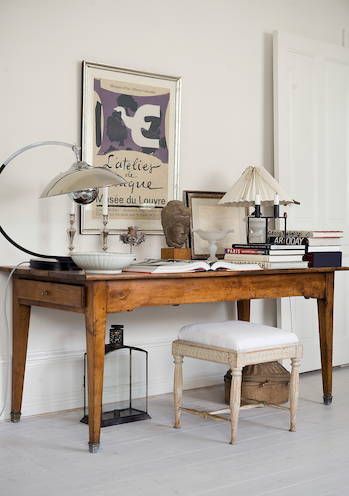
(247, 251)
(252, 246)
(289, 240)
(265, 258)
(319, 249)
(242, 261)
(286, 265)
(248, 258)
(298, 234)
(307, 234)
(324, 259)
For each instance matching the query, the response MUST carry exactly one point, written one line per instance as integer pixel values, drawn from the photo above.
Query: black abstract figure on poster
(131, 122)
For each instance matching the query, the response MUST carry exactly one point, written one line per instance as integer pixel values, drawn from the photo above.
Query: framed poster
(206, 214)
(130, 124)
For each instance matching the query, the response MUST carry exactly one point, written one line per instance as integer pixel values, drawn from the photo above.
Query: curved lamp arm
(76, 151)
(33, 253)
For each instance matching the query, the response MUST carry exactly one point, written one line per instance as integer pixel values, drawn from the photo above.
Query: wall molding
(63, 354)
(37, 404)
(65, 392)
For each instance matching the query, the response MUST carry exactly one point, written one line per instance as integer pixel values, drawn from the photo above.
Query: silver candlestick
(71, 231)
(105, 233)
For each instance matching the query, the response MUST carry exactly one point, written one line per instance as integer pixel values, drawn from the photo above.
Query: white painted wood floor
(47, 455)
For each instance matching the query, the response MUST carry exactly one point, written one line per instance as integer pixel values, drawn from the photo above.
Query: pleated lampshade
(252, 181)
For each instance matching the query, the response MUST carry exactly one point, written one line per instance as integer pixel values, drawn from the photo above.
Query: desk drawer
(51, 293)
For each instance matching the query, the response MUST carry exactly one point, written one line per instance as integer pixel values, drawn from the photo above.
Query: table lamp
(254, 187)
(81, 181)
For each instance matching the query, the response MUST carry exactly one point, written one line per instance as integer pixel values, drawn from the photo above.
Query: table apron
(131, 294)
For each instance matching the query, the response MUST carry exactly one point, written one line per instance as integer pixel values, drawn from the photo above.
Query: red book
(246, 251)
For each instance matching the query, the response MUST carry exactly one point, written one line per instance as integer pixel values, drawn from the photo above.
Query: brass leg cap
(93, 447)
(15, 417)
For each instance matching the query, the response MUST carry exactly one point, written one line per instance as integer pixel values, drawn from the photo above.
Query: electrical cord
(8, 336)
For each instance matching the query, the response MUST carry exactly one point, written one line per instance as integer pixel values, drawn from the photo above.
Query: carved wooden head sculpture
(175, 220)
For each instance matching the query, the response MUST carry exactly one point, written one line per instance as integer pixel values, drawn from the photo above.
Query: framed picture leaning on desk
(130, 124)
(207, 215)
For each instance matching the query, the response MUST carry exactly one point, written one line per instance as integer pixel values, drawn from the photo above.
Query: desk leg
(244, 310)
(20, 326)
(325, 314)
(96, 317)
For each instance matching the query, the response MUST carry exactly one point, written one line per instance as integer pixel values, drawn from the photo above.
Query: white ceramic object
(212, 237)
(103, 262)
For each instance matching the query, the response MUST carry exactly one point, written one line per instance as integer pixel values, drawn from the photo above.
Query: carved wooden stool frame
(236, 360)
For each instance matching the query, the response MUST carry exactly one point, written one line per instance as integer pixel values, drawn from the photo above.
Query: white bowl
(103, 262)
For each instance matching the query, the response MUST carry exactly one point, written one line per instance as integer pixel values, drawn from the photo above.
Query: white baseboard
(54, 378)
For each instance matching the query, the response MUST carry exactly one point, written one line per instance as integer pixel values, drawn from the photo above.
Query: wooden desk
(97, 295)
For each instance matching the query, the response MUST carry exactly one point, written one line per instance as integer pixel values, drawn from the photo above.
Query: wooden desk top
(76, 277)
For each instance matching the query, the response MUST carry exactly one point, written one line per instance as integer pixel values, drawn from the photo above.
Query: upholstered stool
(235, 343)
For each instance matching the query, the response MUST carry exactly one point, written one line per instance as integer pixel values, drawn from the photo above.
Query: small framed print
(130, 124)
(207, 215)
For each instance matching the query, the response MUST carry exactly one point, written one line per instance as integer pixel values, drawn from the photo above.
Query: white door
(311, 133)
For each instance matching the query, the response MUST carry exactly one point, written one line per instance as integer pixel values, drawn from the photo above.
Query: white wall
(223, 51)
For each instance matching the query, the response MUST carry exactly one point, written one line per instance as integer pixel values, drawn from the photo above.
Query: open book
(170, 267)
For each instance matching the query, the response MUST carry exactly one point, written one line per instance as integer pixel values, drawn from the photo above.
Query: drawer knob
(44, 292)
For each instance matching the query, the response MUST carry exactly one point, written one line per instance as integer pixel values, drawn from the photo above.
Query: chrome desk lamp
(81, 181)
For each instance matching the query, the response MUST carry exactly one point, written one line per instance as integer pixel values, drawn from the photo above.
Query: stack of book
(323, 248)
(268, 256)
(299, 249)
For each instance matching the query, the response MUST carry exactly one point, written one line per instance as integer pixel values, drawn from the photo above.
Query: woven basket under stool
(264, 382)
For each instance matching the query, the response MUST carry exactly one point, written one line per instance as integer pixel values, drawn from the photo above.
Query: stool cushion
(236, 335)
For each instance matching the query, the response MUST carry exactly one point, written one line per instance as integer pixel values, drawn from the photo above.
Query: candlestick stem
(105, 232)
(71, 231)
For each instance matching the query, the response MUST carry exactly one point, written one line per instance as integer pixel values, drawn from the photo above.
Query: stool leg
(235, 399)
(178, 389)
(294, 389)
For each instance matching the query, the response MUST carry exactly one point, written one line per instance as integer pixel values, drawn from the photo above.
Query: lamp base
(61, 263)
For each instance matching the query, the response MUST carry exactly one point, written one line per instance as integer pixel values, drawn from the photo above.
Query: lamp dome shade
(252, 181)
(81, 176)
